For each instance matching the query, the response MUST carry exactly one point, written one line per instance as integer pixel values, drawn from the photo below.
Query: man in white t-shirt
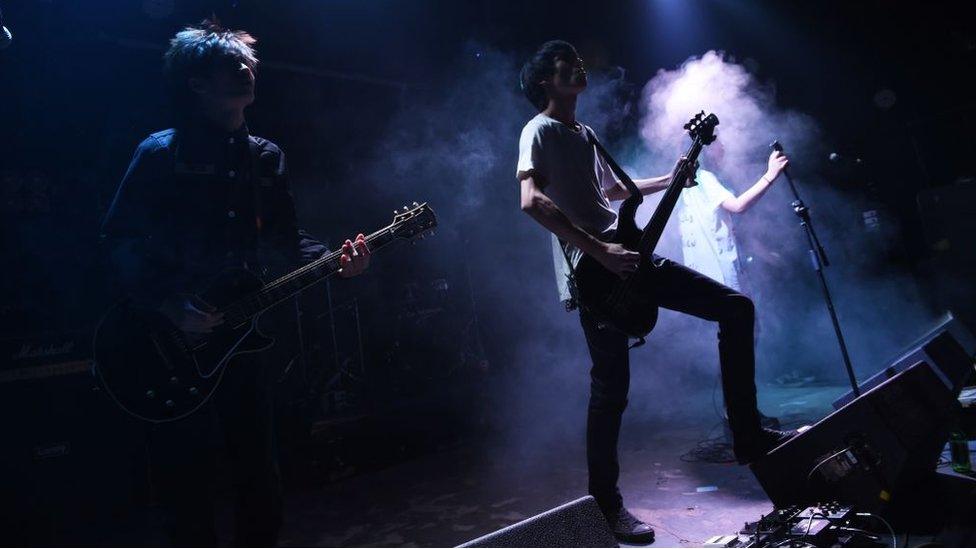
(566, 186)
(704, 215)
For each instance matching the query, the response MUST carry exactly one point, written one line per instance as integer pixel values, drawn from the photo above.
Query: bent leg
(681, 289)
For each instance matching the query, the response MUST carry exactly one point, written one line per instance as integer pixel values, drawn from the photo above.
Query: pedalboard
(822, 525)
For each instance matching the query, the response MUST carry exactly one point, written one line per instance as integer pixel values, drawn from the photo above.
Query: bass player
(567, 186)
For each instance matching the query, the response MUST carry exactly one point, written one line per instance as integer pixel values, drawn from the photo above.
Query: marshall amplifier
(68, 455)
(41, 355)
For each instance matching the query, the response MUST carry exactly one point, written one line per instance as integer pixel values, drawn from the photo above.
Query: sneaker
(628, 528)
(757, 448)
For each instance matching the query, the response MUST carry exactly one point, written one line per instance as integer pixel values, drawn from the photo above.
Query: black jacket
(196, 200)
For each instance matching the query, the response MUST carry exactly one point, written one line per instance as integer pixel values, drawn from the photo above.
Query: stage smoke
(875, 297)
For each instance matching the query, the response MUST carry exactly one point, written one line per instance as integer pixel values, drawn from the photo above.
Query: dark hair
(540, 66)
(195, 51)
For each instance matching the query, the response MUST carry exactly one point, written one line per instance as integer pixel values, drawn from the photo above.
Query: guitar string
(624, 288)
(255, 299)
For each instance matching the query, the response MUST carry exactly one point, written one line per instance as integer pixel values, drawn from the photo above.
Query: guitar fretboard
(296, 281)
(655, 227)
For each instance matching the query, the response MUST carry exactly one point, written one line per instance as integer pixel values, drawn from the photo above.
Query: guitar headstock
(702, 127)
(414, 221)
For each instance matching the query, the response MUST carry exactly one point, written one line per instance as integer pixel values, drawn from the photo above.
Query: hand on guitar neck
(355, 257)
(692, 171)
(193, 315)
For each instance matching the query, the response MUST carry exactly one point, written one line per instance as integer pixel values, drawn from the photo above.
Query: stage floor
(450, 497)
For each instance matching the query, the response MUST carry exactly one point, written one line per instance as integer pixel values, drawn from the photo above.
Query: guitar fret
(297, 280)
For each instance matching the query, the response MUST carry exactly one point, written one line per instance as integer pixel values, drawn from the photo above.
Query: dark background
(380, 103)
(82, 86)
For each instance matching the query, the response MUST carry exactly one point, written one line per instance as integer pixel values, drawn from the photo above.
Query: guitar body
(629, 307)
(157, 373)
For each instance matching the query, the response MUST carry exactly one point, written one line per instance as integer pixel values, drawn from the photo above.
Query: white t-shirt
(707, 240)
(574, 177)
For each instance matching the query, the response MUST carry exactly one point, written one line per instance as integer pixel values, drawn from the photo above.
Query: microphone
(776, 146)
(5, 36)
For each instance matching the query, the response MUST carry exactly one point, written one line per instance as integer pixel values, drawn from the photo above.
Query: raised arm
(775, 165)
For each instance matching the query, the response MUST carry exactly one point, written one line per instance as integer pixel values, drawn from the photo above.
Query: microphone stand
(818, 258)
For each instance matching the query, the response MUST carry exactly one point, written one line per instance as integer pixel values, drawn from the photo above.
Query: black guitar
(623, 303)
(157, 373)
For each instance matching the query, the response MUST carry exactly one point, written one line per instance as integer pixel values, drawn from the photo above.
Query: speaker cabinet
(872, 450)
(949, 347)
(578, 523)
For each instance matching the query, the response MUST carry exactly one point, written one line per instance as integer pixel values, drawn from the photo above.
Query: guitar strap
(574, 301)
(635, 192)
(614, 167)
(254, 181)
(253, 157)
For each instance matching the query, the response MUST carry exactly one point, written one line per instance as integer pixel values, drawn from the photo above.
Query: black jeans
(184, 466)
(678, 288)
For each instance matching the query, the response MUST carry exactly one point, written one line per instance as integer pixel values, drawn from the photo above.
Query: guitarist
(196, 199)
(566, 186)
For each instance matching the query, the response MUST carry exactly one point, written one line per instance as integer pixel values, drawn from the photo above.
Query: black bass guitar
(623, 303)
(157, 373)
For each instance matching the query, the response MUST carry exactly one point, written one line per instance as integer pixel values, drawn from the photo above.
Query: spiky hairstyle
(195, 51)
(540, 66)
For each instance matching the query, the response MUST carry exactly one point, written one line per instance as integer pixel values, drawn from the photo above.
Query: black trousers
(678, 288)
(183, 462)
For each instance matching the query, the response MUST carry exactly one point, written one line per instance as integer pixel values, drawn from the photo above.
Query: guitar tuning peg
(415, 204)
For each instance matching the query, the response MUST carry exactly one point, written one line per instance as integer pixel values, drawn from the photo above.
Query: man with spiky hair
(196, 199)
(566, 186)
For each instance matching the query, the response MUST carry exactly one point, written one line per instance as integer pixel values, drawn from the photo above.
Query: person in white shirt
(705, 222)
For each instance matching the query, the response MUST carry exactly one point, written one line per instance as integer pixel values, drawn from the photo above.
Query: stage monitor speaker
(949, 347)
(579, 523)
(871, 451)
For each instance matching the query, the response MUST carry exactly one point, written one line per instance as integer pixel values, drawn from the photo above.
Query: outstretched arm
(775, 166)
(648, 186)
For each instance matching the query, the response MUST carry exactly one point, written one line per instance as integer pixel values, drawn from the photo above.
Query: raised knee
(741, 307)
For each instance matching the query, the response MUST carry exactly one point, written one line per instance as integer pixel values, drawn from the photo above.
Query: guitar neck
(655, 227)
(297, 280)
